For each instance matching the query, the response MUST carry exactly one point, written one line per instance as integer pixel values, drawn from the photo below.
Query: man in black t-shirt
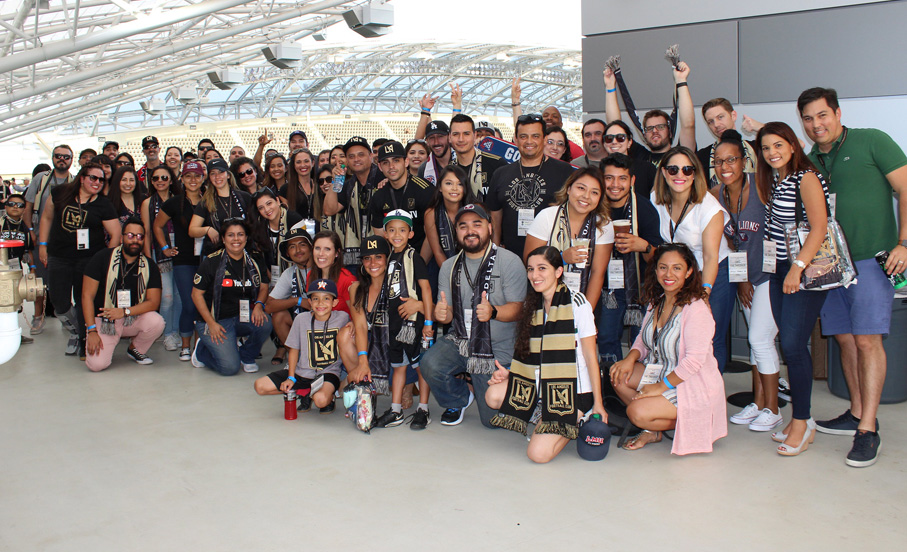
(520, 190)
(479, 166)
(403, 191)
(121, 292)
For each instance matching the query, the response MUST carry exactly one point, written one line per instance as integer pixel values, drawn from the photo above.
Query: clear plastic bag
(832, 266)
(361, 400)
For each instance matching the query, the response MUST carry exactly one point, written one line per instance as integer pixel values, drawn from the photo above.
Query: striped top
(780, 210)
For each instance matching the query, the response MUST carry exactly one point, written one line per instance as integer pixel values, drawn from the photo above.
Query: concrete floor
(170, 457)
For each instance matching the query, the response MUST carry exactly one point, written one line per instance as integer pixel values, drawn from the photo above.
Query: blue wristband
(42, 243)
(457, 110)
(299, 302)
(669, 383)
(89, 328)
(292, 378)
(165, 248)
(259, 303)
(706, 285)
(361, 353)
(428, 322)
(611, 90)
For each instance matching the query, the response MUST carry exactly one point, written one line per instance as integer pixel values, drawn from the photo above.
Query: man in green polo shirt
(862, 167)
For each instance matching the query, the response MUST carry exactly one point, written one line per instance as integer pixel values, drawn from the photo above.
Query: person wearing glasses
(229, 291)
(556, 144)
(151, 147)
(121, 292)
(247, 174)
(619, 139)
(593, 143)
(164, 186)
(221, 200)
(521, 190)
(123, 159)
(72, 232)
(416, 155)
(689, 214)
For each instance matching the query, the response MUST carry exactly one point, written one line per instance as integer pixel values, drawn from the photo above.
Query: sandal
(278, 358)
(632, 443)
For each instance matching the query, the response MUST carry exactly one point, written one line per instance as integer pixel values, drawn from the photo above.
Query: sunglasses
(325, 180)
(160, 178)
(247, 172)
(621, 138)
(15, 204)
(729, 161)
(411, 142)
(688, 170)
(660, 127)
(204, 148)
(529, 118)
(124, 164)
(134, 236)
(151, 147)
(62, 156)
(94, 178)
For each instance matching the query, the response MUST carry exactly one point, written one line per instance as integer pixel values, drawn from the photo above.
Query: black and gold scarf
(379, 340)
(476, 347)
(115, 277)
(445, 231)
(552, 351)
(402, 272)
(561, 238)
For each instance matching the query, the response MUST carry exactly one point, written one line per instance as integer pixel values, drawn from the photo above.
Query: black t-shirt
(72, 217)
(642, 154)
(413, 198)
(225, 208)
(647, 225)
(514, 187)
(304, 208)
(490, 164)
(96, 269)
(395, 321)
(180, 211)
(10, 230)
(237, 283)
(645, 177)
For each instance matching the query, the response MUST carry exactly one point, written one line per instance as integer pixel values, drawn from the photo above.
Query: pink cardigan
(701, 408)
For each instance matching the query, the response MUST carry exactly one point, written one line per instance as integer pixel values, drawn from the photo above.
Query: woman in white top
(688, 214)
(580, 210)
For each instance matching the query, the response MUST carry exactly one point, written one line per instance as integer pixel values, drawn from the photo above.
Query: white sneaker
(249, 368)
(172, 342)
(194, 358)
(766, 420)
(747, 415)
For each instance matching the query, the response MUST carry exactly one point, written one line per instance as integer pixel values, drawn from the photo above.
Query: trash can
(895, 389)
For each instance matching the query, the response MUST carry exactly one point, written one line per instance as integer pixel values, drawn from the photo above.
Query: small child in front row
(409, 314)
(314, 351)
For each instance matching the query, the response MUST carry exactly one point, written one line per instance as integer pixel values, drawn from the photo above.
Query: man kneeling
(121, 292)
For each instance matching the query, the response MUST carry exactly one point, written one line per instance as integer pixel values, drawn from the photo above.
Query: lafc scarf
(552, 351)
(445, 231)
(250, 271)
(475, 172)
(634, 312)
(355, 221)
(403, 273)
(561, 238)
(749, 158)
(298, 285)
(614, 63)
(164, 263)
(476, 347)
(281, 235)
(115, 277)
(379, 340)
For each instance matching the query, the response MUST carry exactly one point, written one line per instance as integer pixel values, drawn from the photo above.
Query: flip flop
(279, 359)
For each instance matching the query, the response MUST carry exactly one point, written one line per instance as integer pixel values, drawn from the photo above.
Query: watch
(903, 243)
(648, 248)
(126, 311)
(800, 263)
(494, 312)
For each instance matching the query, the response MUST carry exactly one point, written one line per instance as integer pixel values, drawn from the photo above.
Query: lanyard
(735, 222)
(472, 283)
(837, 149)
(658, 313)
(393, 193)
(673, 227)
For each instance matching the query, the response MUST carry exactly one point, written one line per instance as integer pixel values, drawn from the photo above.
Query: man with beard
(593, 143)
(520, 190)
(121, 292)
(478, 165)
(152, 150)
(289, 298)
(403, 191)
(437, 135)
(481, 291)
(111, 149)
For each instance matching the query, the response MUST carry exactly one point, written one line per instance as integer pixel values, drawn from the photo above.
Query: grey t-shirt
(283, 288)
(319, 347)
(32, 192)
(508, 285)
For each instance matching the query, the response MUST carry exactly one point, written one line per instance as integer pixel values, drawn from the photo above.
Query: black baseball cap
(218, 165)
(110, 143)
(322, 285)
(437, 127)
(294, 233)
(389, 150)
(375, 245)
(472, 208)
(148, 140)
(299, 133)
(356, 141)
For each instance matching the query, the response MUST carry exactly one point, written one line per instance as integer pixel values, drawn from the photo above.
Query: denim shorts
(862, 309)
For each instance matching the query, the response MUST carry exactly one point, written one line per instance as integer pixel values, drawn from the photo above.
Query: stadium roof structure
(94, 66)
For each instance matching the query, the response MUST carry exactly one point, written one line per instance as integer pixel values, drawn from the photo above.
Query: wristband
(31, 229)
(361, 353)
(42, 243)
(90, 331)
(32, 266)
(611, 90)
(515, 104)
(89, 328)
(706, 285)
(428, 322)
(457, 110)
(299, 302)
(259, 303)
(165, 248)
(681, 84)
(292, 378)
(669, 383)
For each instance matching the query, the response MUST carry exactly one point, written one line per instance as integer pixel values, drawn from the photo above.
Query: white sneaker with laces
(766, 420)
(747, 415)
(249, 368)
(172, 342)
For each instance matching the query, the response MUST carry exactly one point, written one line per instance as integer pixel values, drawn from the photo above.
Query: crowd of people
(437, 267)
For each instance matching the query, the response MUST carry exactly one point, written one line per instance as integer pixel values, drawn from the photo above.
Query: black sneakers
(845, 424)
(389, 419)
(327, 409)
(420, 419)
(305, 404)
(865, 451)
(138, 357)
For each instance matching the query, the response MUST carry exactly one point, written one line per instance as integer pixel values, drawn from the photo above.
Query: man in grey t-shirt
(500, 306)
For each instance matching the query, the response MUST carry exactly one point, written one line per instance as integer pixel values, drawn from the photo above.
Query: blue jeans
(722, 299)
(611, 327)
(225, 358)
(796, 316)
(182, 280)
(170, 303)
(440, 364)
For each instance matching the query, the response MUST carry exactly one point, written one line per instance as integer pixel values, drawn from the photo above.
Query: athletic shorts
(862, 309)
(280, 376)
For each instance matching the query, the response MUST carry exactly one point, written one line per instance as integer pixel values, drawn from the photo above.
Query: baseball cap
(356, 141)
(110, 143)
(437, 127)
(594, 439)
(218, 165)
(390, 150)
(294, 233)
(375, 245)
(472, 208)
(485, 124)
(299, 133)
(194, 167)
(148, 140)
(398, 214)
(322, 285)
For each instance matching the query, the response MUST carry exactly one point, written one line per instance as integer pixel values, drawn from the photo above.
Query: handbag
(832, 266)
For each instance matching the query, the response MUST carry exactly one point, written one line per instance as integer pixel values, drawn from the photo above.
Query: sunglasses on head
(62, 156)
(529, 118)
(415, 142)
(134, 236)
(15, 204)
(621, 138)
(160, 178)
(688, 170)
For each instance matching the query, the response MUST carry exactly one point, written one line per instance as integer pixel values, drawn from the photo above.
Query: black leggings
(64, 285)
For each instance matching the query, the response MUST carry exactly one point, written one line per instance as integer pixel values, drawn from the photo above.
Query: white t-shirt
(584, 322)
(544, 222)
(689, 231)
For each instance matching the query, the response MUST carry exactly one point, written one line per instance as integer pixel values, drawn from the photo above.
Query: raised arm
(686, 116)
(426, 103)
(516, 92)
(612, 107)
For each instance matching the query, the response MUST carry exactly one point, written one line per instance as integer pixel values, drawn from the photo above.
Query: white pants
(762, 331)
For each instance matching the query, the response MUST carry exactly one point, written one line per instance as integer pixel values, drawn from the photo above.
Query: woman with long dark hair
(123, 159)
(275, 170)
(173, 158)
(271, 222)
(557, 145)
(782, 173)
(679, 386)
(416, 154)
(327, 254)
(452, 193)
(126, 193)
(220, 201)
(302, 192)
(554, 379)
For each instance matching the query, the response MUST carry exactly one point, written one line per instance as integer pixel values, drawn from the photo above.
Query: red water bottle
(289, 405)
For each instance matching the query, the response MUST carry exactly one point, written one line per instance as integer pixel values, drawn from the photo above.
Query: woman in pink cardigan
(679, 386)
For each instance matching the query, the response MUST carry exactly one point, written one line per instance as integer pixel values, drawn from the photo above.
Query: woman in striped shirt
(782, 169)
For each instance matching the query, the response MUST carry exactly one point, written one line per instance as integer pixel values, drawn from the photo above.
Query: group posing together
(441, 266)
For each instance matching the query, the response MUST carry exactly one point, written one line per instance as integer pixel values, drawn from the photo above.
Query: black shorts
(584, 401)
(280, 376)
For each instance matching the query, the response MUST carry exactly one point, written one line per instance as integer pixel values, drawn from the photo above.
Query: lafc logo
(72, 218)
(372, 244)
(521, 398)
(389, 148)
(323, 348)
(560, 398)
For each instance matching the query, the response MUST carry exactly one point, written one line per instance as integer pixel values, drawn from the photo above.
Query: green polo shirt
(855, 170)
